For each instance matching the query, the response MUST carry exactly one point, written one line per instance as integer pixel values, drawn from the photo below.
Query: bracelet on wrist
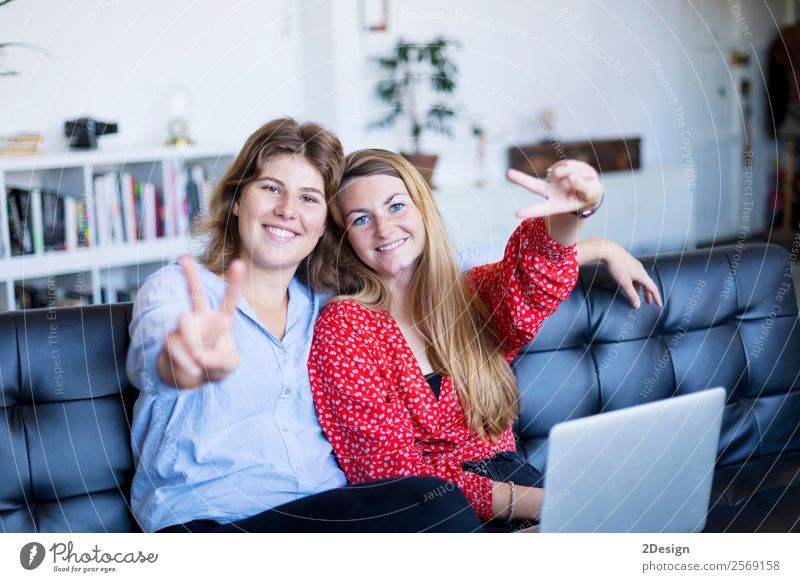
(513, 504)
(595, 208)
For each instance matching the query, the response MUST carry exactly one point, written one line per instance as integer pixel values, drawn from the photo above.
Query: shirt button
(287, 391)
(285, 429)
(282, 351)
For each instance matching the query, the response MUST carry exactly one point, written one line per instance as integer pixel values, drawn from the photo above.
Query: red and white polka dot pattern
(373, 401)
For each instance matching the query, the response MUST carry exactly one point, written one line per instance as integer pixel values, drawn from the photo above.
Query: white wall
(589, 64)
(120, 60)
(245, 61)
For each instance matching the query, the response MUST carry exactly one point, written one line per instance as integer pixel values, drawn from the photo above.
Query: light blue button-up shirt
(234, 448)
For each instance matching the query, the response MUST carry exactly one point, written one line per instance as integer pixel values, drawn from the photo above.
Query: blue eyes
(363, 219)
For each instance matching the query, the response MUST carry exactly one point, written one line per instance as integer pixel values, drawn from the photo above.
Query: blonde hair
(220, 227)
(460, 338)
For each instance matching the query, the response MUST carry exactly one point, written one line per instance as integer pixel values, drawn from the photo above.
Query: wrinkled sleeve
(370, 429)
(527, 285)
(159, 303)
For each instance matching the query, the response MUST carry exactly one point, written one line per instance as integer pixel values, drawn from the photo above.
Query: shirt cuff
(143, 370)
(480, 494)
(538, 235)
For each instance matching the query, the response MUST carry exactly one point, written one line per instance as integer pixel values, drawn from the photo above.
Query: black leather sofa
(730, 319)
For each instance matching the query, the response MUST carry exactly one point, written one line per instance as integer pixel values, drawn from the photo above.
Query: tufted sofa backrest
(65, 403)
(730, 319)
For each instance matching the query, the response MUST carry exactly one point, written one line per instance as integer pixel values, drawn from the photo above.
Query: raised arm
(527, 285)
(539, 267)
(201, 348)
(572, 193)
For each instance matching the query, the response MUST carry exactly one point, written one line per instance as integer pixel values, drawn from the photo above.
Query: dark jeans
(410, 504)
(507, 466)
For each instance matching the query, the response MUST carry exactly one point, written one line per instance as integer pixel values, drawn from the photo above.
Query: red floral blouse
(374, 404)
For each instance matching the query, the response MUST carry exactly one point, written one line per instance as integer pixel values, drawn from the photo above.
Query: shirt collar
(301, 299)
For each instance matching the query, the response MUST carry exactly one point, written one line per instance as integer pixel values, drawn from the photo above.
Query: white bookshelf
(98, 270)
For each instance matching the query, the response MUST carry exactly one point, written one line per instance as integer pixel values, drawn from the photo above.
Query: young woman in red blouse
(410, 363)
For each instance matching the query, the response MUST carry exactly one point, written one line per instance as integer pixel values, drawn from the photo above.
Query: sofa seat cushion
(736, 483)
(775, 510)
(761, 494)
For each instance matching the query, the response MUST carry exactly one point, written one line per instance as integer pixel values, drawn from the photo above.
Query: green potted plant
(407, 67)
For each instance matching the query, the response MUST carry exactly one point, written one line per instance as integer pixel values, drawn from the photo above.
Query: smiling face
(384, 226)
(281, 214)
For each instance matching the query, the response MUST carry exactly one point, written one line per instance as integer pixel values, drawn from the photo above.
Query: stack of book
(189, 195)
(128, 210)
(29, 297)
(45, 220)
(121, 210)
(20, 144)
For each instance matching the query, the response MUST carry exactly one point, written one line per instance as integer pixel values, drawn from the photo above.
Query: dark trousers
(410, 504)
(507, 466)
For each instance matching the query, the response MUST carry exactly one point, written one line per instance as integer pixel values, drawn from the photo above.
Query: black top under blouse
(435, 382)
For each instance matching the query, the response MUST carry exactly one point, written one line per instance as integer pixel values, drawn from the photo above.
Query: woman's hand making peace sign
(202, 348)
(570, 186)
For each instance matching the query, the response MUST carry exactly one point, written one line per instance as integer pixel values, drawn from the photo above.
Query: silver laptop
(647, 468)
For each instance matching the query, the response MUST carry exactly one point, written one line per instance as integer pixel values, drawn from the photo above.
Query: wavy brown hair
(220, 227)
(460, 338)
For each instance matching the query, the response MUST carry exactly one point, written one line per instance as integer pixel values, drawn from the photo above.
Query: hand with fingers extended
(202, 348)
(571, 186)
(632, 278)
(627, 270)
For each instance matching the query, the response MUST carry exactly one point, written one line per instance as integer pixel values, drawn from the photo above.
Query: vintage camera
(83, 132)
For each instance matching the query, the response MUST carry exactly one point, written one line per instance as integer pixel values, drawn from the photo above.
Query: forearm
(528, 503)
(564, 228)
(527, 285)
(597, 248)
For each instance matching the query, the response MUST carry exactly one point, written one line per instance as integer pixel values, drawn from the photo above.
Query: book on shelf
(54, 221)
(180, 206)
(128, 210)
(127, 295)
(85, 235)
(43, 220)
(118, 209)
(115, 202)
(101, 211)
(129, 187)
(20, 221)
(37, 222)
(70, 223)
(31, 297)
(187, 194)
(20, 144)
(109, 211)
(149, 226)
